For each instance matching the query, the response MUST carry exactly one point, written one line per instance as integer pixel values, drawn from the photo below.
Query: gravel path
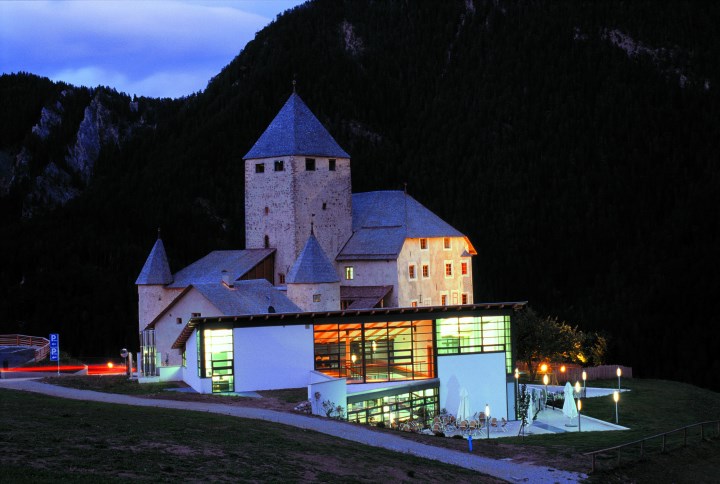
(503, 469)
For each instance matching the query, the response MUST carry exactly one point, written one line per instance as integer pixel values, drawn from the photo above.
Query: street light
(545, 382)
(517, 390)
(579, 402)
(487, 419)
(616, 397)
(618, 372)
(584, 377)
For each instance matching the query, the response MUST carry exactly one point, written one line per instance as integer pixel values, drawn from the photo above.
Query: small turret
(312, 282)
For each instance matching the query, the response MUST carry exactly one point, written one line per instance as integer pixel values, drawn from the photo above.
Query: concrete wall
(437, 283)
(280, 204)
(302, 295)
(152, 299)
(323, 388)
(483, 375)
(272, 357)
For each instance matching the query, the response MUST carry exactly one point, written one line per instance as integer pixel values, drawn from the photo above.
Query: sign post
(55, 349)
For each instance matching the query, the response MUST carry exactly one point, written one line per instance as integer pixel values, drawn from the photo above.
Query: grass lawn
(82, 440)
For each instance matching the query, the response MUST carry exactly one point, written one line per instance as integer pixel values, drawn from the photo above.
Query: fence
(573, 372)
(40, 345)
(663, 444)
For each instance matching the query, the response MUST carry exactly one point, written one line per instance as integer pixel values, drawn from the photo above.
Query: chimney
(226, 279)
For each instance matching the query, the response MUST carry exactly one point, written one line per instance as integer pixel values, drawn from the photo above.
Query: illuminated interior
(419, 403)
(375, 352)
(215, 358)
(475, 334)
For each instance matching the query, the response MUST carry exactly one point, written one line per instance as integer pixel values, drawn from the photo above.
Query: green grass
(110, 384)
(650, 408)
(45, 439)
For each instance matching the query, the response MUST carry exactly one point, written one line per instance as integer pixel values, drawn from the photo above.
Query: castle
(314, 250)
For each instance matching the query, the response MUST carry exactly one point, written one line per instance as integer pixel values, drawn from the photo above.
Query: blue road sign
(54, 347)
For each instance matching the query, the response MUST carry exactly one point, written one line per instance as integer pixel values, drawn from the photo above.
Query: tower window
(316, 297)
(260, 168)
(331, 165)
(267, 210)
(423, 244)
(281, 277)
(309, 164)
(178, 320)
(279, 166)
(349, 273)
(267, 242)
(446, 243)
(324, 205)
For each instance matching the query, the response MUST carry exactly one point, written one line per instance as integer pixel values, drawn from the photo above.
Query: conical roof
(312, 266)
(156, 269)
(295, 131)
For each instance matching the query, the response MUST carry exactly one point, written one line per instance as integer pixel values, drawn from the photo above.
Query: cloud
(152, 48)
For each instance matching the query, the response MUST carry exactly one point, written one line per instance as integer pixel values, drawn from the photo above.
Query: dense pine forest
(576, 143)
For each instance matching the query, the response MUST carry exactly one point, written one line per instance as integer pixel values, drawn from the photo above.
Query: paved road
(510, 471)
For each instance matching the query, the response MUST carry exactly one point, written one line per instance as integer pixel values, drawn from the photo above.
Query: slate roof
(312, 266)
(295, 131)
(363, 297)
(246, 297)
(156, 269)
(382, 221)
(209, 269)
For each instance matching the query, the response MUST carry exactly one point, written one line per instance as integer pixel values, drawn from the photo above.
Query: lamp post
(487, 419)
(545, 382)
(616, 397)
(618, 372)
(579, 402)
(517, 390)
(584, 377)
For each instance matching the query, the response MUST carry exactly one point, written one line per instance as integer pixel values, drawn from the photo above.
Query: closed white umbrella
(463, 412)
(569, 408)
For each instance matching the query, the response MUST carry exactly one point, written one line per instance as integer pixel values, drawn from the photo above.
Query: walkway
(503, 469)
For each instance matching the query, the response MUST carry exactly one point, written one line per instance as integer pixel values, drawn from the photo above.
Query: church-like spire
(156, 269)
(312, 266)
(296, 131)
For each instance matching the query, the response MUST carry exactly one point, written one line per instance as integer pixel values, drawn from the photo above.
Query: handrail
(40, 344)
(663, 435)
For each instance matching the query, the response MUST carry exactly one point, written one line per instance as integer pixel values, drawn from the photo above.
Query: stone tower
(312, 282)
(151, 282)
(296, 175)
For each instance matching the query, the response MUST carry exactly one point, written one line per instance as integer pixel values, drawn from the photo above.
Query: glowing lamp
(616, 396)
(545, 380)
(353, 358)
(544, 368)
(584, 376)
(579, 404)
(618, 372)
(562, 369)
(517, 373)
(110, 364)
(577, 387)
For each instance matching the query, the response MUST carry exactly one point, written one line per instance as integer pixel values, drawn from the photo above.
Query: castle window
(425, 270)
(464, 298)
(423, 244)
(267, 242)
(448, 269)
(178, 320)
(316, 297)
(281, 277)
(267, 210)
(447, 243)
(411, 271)
(260, 168)
(309, 164)
(194, 315)
(413, 304)
(331, 165)
(443, 299)
(463, 268)
(279, 165)
(324, 206)
(349, 273)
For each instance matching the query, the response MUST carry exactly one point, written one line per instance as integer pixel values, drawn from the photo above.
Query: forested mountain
(576, 143)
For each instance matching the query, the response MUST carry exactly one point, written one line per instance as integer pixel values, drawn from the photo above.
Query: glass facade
(375, 352)
(215, 358)
(420, 404)
(475, 334)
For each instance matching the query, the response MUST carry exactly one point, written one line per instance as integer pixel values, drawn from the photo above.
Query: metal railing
(663, 445)
(39, 344)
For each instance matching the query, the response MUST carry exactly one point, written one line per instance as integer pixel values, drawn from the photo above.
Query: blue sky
(158, 48)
